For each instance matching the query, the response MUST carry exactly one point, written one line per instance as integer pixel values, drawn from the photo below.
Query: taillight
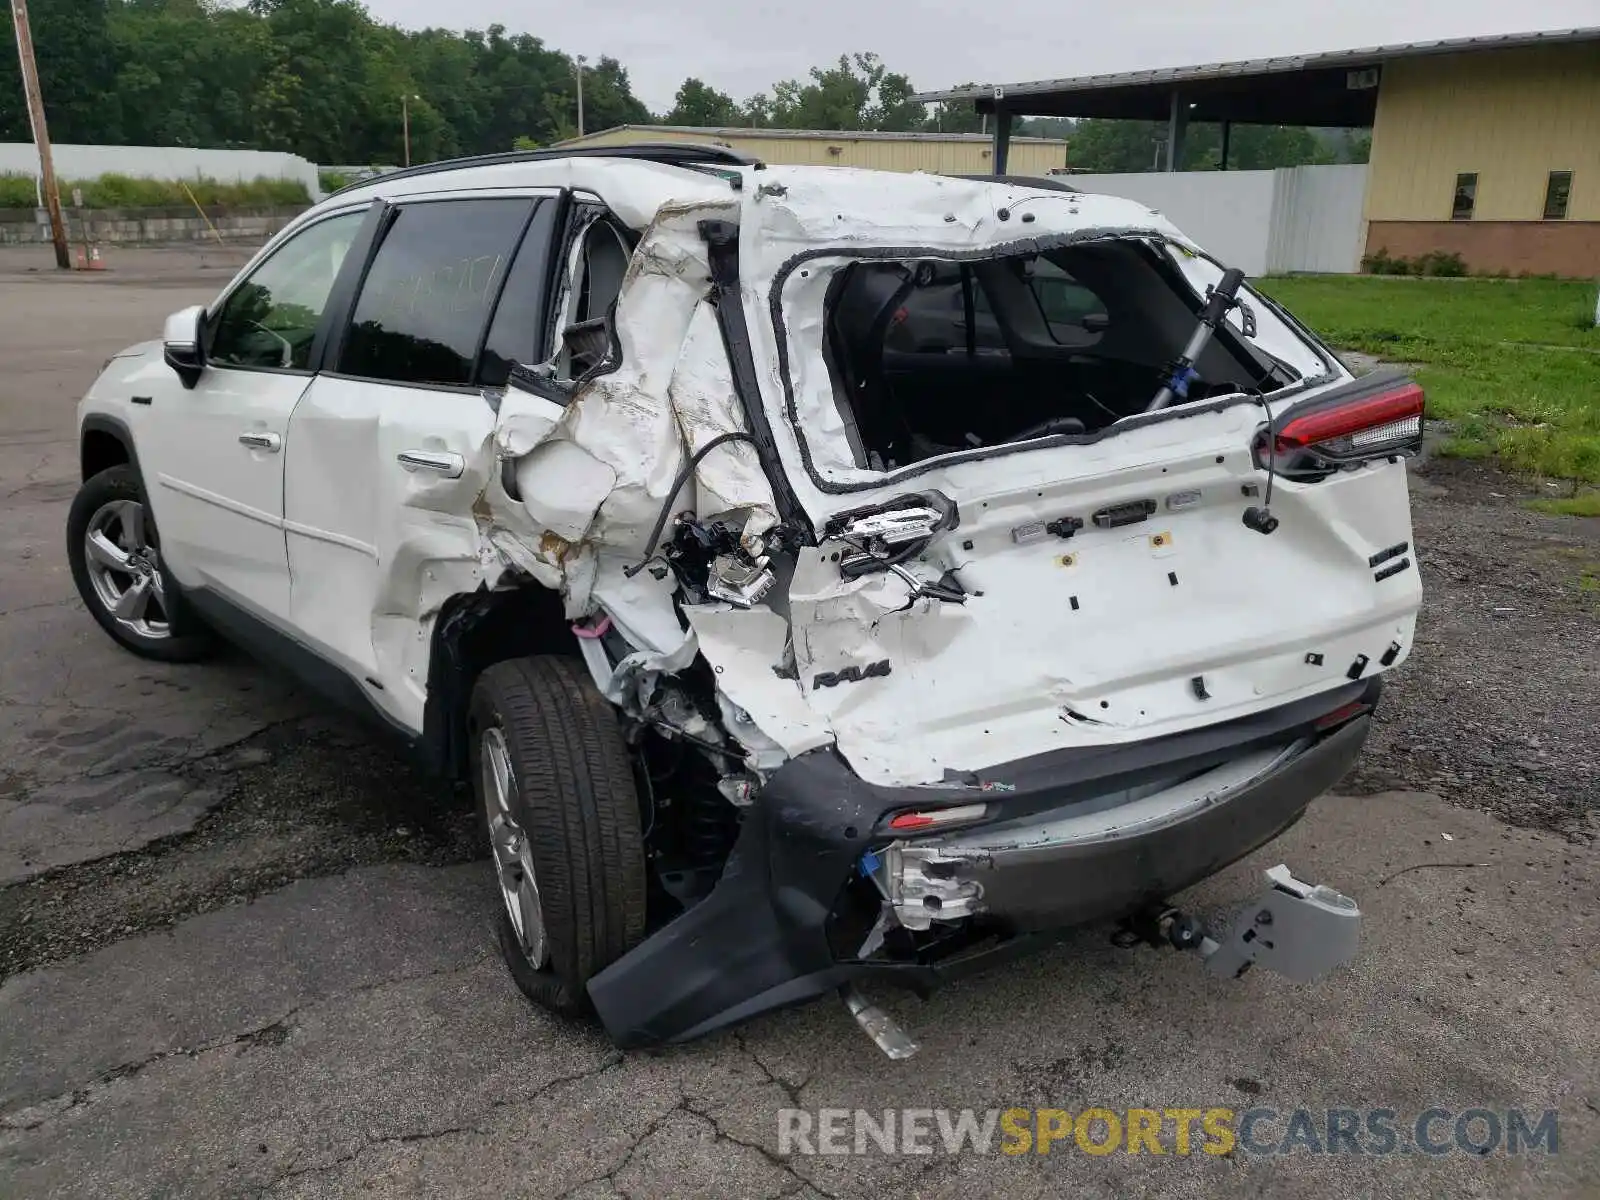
(1324, 438)
(937, 818)
(1341, 715)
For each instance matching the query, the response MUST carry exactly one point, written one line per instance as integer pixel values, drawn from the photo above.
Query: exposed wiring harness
(722, 439)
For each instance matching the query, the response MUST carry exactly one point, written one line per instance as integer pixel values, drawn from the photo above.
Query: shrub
(1382, 263)
(332, 181)
(127, 191)
(1445, 263)
(17, 191)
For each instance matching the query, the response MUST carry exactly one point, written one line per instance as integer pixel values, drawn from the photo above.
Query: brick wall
(1569, 248)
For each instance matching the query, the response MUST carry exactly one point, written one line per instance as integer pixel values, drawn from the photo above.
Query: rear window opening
(932, 356)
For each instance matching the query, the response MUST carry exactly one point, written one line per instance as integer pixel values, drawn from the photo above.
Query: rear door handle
(270, 442)
(451, 466)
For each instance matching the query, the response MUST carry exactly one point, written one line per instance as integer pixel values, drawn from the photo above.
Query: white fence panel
(1227, 212)
(1294, 219)
(1317, 220)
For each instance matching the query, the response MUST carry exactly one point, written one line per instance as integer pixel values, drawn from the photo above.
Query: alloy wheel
(125, 569)
(513, 856)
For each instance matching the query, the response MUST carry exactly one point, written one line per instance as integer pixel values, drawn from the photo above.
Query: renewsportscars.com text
(1179, 1132)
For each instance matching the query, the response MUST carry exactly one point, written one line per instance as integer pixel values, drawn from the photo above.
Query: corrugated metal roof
(829, 135)
(1370, 55)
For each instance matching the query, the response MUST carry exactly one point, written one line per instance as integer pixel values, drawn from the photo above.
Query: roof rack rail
(671, 154)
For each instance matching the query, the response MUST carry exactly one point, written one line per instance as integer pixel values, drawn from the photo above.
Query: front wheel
(554, 782)
(115, 555)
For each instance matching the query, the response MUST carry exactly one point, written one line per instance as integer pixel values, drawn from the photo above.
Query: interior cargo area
(931, 356)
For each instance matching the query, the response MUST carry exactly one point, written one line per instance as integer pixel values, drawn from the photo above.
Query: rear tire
(554, 782)
(115, 555)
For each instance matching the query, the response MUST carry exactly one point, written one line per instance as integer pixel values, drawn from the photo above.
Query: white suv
(820, 575)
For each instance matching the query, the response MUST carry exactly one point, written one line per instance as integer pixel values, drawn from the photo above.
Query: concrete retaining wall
(147, 226)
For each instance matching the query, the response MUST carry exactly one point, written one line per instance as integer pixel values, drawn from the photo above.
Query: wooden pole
(41, 136)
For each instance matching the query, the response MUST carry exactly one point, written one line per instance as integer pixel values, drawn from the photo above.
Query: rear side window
(421, 314)
(516, 334)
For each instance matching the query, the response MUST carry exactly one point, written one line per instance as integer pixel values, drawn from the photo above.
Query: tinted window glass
(516, 334)
(270, 319)
(1065, 304)
(933, 318)
(1465, 198)
(1557, 191)
(422, 310)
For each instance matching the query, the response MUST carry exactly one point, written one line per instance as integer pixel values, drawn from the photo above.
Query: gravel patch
(1497, 707)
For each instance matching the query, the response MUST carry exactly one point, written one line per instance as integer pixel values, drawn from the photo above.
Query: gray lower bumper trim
(1052, 884)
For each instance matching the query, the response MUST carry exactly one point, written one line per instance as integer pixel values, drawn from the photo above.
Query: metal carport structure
(1333, 88)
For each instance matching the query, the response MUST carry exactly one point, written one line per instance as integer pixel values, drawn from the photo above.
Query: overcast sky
(744, 46)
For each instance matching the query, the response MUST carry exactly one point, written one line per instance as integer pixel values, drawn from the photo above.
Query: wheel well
(99, 451)
(474, 631)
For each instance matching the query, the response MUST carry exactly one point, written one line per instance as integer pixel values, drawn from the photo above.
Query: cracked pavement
(245, 949)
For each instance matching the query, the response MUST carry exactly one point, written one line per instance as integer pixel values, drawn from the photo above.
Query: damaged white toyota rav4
(822, 577)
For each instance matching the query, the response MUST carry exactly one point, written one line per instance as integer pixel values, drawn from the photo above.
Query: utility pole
(405, 121)
(579, 67)
(41, 135)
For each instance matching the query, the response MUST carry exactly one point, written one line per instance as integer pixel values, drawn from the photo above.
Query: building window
(1466, 196)
(1557, 191)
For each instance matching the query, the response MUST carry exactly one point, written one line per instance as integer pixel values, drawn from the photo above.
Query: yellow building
(937, 153)
(1493, 154)
(1488, 147)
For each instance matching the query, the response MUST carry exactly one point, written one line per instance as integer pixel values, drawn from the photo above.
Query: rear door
(389, 449)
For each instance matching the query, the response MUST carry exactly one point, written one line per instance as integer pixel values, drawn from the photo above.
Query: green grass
(1513, 364)
(1585, 504)
(126, 191)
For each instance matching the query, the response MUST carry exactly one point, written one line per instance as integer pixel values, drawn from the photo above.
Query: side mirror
(181, 345)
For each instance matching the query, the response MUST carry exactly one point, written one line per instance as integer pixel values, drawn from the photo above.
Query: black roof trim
(671, 154)
(1042, 182)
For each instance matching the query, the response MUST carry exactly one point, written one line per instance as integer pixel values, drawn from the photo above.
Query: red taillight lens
(937, 818)
(1383, 424)
(1340, 715)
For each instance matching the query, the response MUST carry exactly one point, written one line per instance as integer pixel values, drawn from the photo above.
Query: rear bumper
(761, 939)
(1038, 876)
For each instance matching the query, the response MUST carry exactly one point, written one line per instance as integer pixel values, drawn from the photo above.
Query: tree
(1119, 146)
(608, 100)
(1115, 146)
(858, 92)
(320, 78)
(955, 116)
(701, 105)
(77, 64)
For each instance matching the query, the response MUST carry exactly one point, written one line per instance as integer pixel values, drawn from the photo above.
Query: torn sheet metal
(746, 650)
(597, 471)
(1031, 655)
